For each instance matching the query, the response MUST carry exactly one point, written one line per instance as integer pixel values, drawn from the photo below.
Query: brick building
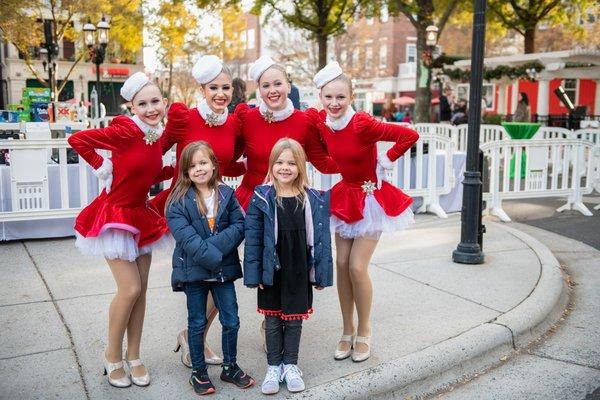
(380, 56)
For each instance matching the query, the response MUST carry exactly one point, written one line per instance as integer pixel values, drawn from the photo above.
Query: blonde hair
(184, 182)
(343, 78)
(301, 181)
(278, 68)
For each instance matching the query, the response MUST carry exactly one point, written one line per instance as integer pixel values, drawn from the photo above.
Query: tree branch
(446, 16)
(405, 9)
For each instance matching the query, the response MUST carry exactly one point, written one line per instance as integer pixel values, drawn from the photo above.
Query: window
(385, 15)
(355, 58)
(250, 38)
(411, 52)
(383, 55)
(343, 56)
(368, 57)
(570, 86)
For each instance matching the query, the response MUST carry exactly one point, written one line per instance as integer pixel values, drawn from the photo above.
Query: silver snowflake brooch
(151, 136)
(268, 116)
(211, 119)
(368, 187)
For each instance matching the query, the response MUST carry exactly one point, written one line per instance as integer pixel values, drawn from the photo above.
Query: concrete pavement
(434, 322)
(565, 363)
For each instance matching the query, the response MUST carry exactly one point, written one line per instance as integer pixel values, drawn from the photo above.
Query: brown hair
(184, 182)
(301, 181)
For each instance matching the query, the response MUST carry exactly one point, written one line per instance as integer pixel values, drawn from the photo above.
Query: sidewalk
(433, 321)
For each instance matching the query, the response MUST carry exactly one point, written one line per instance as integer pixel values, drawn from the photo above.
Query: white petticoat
(119, 243)
(375, 222)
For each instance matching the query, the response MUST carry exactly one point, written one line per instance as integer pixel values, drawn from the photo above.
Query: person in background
(406, 117)
(294, 95)
(460, 113)
(239, 94)
(522, 113)
(387, 113)
(445, 107)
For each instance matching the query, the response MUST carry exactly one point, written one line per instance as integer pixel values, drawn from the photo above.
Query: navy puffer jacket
(260, 254)
(201, 254)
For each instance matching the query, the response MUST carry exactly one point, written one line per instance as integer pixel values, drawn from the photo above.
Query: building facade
(379, 54)
(81, 78)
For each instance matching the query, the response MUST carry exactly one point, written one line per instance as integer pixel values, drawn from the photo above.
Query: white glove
(104, 173)
(383, 164)
(108, 183)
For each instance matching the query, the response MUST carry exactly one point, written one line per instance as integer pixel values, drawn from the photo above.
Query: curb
(440, 365)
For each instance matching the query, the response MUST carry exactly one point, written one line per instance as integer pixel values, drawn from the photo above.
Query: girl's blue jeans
(226, 302)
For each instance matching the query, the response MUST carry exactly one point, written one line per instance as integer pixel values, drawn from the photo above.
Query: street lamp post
(468, 250)
(49, 52)
(96, 40)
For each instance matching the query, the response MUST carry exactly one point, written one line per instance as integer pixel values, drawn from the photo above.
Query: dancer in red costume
(274, 119)
(212, 123)
(362, 205)
(120, 224)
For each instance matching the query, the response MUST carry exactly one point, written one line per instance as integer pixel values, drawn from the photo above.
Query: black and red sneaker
(201, 383)
(232, 373)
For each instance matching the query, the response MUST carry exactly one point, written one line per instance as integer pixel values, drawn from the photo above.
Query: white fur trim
(341, 122)
(211, 117)
(279, 115)
(144, 127)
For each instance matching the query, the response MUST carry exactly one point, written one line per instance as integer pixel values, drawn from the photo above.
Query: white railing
(552, 132)
(551, 167)
(418, 174)
(41, 184)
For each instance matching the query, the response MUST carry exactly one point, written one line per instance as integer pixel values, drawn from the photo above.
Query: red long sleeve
(380, 131)
(114, 138)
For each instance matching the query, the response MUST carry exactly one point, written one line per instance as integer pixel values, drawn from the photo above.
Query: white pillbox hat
(327, 74)
(134, 84)
(259, 66)
(207, 68)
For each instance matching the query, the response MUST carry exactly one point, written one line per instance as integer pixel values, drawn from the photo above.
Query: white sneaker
(271, 383)
(293, 378)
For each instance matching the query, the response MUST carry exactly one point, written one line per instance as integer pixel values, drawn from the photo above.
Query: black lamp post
(96, 40)
(468, 250)
(48, 53)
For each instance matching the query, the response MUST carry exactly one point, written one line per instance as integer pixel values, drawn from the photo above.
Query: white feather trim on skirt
(375, 222)
(120, 244)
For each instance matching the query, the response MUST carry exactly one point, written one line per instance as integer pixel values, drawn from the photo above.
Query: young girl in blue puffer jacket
(287, 251)
(208, 226)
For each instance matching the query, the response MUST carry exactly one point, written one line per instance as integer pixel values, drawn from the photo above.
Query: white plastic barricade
(417, 172)
(552, 132)
(35, 193)
(543, 177)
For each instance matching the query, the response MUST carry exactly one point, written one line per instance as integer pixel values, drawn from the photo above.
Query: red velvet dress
(136, 167)
(354, 149)
(186, 125)
(259, 137)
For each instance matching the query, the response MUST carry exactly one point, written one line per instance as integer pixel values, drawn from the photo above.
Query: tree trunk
(423, 91)
(170, 86)
(322, 43)
(530, 40)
